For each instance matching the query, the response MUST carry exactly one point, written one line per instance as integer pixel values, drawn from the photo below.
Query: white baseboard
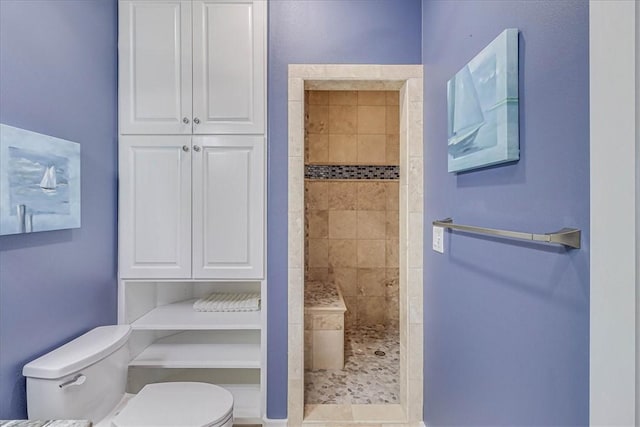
(275, 423)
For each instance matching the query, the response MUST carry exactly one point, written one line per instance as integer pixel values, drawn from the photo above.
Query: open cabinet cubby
(170, 341)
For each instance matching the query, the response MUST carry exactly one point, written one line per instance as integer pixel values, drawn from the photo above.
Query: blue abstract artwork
(39, 182)
(482, 101)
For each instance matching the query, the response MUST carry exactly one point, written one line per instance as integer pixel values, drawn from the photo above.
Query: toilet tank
(83, 379)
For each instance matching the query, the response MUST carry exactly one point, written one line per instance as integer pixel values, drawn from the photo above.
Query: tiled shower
(351, 245)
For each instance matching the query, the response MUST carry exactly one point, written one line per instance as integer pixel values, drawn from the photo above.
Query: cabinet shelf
(182, 316)
(189, 350)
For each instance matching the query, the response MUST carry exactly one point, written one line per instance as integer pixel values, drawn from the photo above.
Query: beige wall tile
(328, 349)
(346, 279)
(316, 195)
(371, 196)
(333, 322)
(392, 225)
(415, 185)
(318, 253)
(295, 185)
(380, 413)
(308, 322)
(308, 349)
(343, 195)
(342, 224)
(295, 89)
(392, 274)
(296, 240)
(371, 225)
(415, 241)
(351, 315)
(415, 89)
(318, 97)
(371, 311)
(343, 148)
(371, 282)
(415, 129)
(371, 97)
(343, 119)
(414, 282)
(295, 404)
(414, 405)
(317, 274)
(295, 128)
(296, 298)
(318, 148)
(342, 253)
(318, 224)
(393, 120)
(327, 413)
(371, 119)
(392, 190)
(372, 149)
(318, 121)
(296, 361)
(371, 253)
(343, 97)
(392, 150)
(415, 310)
(393, 250)
(393, 97)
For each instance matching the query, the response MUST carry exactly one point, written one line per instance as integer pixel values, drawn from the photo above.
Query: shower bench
(324, 310)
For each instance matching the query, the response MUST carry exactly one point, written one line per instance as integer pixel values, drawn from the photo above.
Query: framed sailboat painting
(482, 106)
(39, 182)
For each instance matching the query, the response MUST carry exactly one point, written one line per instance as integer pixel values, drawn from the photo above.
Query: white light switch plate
(438, 239)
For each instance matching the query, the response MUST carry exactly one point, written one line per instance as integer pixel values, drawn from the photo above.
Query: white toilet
(86, 378)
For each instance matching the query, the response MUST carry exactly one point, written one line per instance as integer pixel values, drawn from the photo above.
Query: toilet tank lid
(79, 353)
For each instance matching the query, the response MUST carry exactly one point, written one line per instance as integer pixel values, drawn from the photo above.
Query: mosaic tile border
(352, 172)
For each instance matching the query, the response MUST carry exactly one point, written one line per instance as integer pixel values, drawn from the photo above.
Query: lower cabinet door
(155, 206)
(228, 206)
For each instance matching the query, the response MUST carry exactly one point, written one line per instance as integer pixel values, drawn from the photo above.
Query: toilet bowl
(178, 404)
(86, 379)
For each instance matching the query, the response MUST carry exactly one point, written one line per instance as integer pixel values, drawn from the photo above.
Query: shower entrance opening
(355, 244)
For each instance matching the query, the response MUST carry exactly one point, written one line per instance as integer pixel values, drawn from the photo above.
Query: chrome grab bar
(569, 237)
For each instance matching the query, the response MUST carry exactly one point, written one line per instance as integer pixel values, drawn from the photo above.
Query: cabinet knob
(196, 121)
(196, 148)
(185, 120)
(185, 148)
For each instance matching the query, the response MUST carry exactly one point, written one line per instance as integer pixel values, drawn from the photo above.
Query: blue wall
(506, 323)
(317, 31)
(58, 63)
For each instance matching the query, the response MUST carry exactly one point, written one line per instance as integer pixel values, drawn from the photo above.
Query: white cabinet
(155, 67)
(220, 43)
(192, 179)
(155, 206)
(228, 206)
(191, 207)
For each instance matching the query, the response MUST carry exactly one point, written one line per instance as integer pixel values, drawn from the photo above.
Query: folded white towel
(229, 302)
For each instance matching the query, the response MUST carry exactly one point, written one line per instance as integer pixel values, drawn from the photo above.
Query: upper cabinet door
(155, 206)
(228, 66)
(228, 207)
(155, 67)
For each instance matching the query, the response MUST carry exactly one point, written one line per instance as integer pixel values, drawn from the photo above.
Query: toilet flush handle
(77, 380)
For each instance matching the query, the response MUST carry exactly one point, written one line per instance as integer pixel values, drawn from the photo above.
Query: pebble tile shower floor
(366, 378)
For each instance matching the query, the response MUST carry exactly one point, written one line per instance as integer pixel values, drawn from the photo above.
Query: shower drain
(379, 353)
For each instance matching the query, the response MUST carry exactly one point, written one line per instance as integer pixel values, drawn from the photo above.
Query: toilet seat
(177, 404)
